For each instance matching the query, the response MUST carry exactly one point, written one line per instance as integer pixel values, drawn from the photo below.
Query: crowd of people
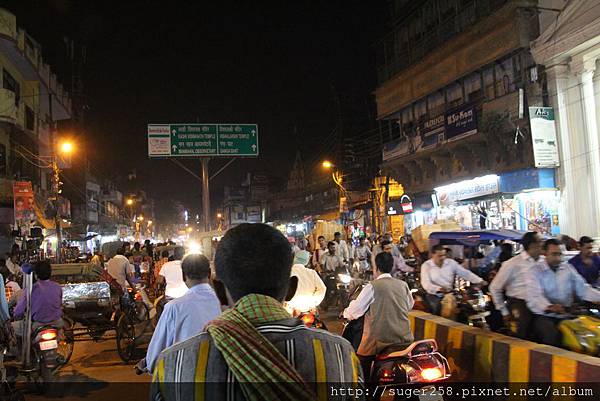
(246, 333)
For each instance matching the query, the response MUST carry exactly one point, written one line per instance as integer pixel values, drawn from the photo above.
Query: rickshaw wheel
(125, 338)
(67, 343)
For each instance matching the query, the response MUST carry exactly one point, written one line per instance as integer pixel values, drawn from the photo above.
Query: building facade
(31, 103)
(569, 48)
(456, 80)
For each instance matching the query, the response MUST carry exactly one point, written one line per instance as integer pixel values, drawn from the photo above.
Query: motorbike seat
(394, 351)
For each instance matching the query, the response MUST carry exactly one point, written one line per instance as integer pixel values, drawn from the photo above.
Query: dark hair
(529, 239)
(320, 236)
(551, 242)
(254, 259)
(121, 251)
(330, 243)
(438, 247)
(178, 253)
(164, 254)
(137, 246)
(335, 234)
(195, 267)
(384, 262)
(384, 243)
(43, 270)
(585, 240)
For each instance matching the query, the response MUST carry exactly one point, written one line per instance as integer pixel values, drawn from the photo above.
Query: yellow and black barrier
(480, 355)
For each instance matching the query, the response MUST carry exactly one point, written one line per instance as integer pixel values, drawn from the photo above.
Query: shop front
(523, 200)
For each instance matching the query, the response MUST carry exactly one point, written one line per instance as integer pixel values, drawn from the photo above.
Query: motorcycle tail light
(431, 374)
(48, 335)
(308, 319)
(386, 376)
(137, 296)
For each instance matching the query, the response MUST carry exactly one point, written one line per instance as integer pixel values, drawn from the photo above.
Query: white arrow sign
(254, 148)
(253, 132)
(174, 132)
(174, 148)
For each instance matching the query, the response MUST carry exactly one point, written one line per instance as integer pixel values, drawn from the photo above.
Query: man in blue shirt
(586, 263)
(187, 315)
(552, 286)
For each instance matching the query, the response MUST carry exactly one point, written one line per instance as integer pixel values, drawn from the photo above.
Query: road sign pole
(205, 193)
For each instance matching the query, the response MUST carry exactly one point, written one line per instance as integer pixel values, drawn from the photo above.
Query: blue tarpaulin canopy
(473, 238)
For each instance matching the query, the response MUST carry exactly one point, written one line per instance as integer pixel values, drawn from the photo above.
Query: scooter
(418, 364)
(338, 288)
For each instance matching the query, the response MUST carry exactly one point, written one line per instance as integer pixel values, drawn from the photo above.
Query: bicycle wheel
(126, 337)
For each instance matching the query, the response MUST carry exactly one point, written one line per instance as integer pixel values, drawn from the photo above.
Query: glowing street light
(141, 218)
(219, 215)
(327, 164)
(149, 222)
(129, 202)
(67, 147)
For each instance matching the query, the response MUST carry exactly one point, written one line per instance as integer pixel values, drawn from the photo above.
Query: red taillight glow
(386, 376)
(48, 335)
(137, 296)
(431, 374)
(308, 319)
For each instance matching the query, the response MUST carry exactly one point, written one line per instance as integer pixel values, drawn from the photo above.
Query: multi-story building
(31, 102)
(456, 80)
(569, 48)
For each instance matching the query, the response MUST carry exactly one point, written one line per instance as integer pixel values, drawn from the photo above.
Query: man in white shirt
(385, 303)
(331, 260)
(343, 249)
(171, 274)
(307, 290)
(509, 288)
(399, 263)
(552, 287)
(120, 269)
(187, 315)
(438, 274)
(319, 253)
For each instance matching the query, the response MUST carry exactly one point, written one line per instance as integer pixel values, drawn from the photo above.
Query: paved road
(96, 372)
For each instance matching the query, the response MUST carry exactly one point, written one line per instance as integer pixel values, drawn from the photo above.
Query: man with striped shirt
(256, 351)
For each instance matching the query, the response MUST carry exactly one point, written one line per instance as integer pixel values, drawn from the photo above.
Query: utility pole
(55, 181)
(205, 193)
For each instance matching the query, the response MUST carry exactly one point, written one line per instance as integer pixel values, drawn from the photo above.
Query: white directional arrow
(174, 148)
(253, 148)
(174, 132)
(253, 132)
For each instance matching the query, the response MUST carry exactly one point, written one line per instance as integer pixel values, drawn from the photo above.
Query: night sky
(274, 64)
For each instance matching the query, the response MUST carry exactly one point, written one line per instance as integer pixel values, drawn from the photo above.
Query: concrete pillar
(578, 205)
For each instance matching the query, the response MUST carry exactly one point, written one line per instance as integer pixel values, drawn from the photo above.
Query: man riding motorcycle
(552, 286)
(438, 274)
(384, 303)
(307, 290)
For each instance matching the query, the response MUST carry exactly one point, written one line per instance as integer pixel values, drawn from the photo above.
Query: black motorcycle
(338, 289)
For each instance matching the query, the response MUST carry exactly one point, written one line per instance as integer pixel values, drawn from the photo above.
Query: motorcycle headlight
(345, 278)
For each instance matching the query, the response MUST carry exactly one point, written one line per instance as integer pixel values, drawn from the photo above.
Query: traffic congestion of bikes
(516, 283)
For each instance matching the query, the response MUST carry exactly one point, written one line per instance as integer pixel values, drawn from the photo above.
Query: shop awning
(472, 238)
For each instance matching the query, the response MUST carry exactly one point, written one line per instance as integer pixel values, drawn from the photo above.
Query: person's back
(255, 350)
(175, 286)
(119, 268)
(46, 297)
(387, 322)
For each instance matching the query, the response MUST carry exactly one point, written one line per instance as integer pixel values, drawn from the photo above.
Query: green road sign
(185, 140)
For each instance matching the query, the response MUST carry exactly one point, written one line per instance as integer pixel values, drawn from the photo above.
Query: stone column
(577, 214)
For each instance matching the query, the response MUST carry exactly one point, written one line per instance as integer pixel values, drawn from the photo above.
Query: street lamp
(327, 164)
(337, 177)
(64, 148)
(129, 202)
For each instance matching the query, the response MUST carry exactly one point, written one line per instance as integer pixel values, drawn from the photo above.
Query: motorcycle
(416, 364)
(581, 331)
(338, 288)
(312, 319)
(468, 305)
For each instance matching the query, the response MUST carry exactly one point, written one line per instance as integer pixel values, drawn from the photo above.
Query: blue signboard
(460, 122)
